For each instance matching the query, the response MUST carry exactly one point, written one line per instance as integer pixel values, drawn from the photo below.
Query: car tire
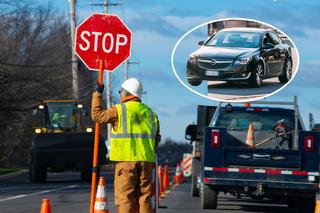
(37, 173)
(194, 82)
(209, 198)
(287, 72)
(255, 79)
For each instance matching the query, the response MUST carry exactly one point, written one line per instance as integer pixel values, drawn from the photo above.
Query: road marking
(38, 193)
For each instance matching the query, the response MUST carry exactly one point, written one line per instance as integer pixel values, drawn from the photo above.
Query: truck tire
(37, 173)
(194, 177)
(209, 198)
(194, 187)
(307, 205)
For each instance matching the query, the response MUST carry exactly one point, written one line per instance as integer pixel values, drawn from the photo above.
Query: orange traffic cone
(177, 177)
(250, 137)
(317, 209)
(161, 191)
(101, 203)
(45, 206)
(166, 182)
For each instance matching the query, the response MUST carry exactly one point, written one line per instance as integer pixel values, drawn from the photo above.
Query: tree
(35, 65)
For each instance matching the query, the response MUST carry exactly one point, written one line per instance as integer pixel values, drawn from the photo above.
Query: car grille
(206, 63)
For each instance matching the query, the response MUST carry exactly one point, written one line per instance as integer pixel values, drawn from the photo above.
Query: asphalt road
(240, 91)
(179, 200)
(68, 194)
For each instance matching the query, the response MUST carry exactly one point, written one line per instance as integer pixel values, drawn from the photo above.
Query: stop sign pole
(103, 42)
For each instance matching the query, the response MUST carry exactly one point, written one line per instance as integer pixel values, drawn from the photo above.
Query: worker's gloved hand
(99, 88)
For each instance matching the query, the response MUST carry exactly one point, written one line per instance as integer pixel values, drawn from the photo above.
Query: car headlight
(37, 130)
(243, 61)
(192, 58)
(89, 129)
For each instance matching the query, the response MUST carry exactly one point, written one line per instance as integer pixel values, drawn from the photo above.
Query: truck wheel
(255, 79)
(287, 72)
(209, 198)
(37, 173)
(194, 187)
(307, 205)
(194, 82)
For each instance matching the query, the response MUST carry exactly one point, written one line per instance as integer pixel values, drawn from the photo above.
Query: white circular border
(234, 101)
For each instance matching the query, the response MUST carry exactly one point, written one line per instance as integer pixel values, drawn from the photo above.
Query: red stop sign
(103, 37)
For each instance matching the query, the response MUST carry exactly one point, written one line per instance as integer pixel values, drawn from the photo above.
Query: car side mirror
(191, 132)
(268, 46)
(201, 43)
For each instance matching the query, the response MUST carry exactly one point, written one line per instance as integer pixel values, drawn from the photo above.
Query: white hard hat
(133, 86)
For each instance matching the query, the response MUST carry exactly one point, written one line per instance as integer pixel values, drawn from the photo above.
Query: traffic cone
(177, 177)
(101, 202)
(250, 137)
(45, 206)
(317, 209)
(160, 177)
(166, 182)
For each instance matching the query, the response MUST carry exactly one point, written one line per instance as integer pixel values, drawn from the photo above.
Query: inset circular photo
(235, 60)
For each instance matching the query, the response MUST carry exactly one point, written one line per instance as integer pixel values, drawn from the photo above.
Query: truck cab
(62, 142)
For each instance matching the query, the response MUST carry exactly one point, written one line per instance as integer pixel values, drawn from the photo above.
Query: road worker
(134, 138)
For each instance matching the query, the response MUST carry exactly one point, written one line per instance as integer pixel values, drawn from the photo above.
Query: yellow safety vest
(135, 137)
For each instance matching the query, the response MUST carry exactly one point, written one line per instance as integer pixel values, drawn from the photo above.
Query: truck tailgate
(240, 156)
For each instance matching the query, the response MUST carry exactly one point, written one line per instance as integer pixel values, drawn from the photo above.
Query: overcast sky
(157, 26)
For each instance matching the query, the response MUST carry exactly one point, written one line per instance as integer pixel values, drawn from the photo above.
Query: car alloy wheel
(258, 74)
(289, 69)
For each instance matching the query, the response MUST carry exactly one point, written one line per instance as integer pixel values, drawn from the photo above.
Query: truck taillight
(215, 139)
(309, 143)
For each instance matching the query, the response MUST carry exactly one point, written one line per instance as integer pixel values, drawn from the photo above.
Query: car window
(235, 39)
(262, 121)
(274, 38)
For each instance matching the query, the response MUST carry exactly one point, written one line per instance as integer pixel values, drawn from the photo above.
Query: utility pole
(75, 90)
(126, 67)
(105, 5)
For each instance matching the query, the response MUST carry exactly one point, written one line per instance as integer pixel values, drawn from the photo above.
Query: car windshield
(235, 39)
(61, 115)
(261, 120)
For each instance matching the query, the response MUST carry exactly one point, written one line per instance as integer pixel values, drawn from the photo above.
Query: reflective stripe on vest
(139, 146)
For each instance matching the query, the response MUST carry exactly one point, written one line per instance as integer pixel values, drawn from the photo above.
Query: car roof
(246, 29)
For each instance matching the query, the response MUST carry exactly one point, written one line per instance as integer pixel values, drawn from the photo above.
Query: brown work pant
(133, 186)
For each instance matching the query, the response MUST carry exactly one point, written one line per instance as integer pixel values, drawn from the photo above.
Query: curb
(13, 174)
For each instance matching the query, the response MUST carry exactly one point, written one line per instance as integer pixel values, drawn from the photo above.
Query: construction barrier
(45, 206)
(101, 202)
(187, 164)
